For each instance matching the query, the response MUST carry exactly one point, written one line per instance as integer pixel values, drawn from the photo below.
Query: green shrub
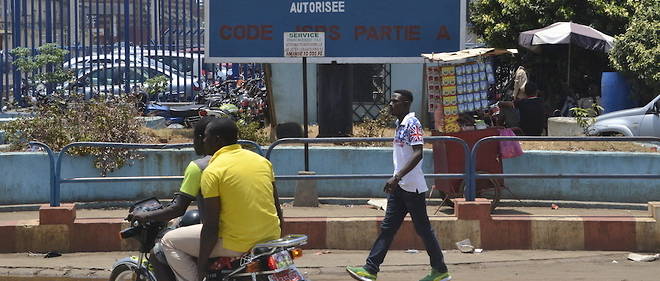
(252, 130)
(585, 116)
(373, 128)
(57, 125)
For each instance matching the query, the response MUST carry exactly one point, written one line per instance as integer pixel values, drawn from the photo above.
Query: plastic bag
(509, 149)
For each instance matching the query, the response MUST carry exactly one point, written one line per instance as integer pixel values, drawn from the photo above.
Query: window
(101, 77)
(179, 63)
(138, 75)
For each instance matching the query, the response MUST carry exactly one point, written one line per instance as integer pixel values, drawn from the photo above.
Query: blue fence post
(16, 42)
(126, 42)
(54, 192)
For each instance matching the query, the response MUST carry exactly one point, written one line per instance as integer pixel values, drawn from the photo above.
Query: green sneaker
(360, 273)
(434, 275)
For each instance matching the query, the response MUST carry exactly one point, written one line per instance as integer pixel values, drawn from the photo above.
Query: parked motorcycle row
(244, 100)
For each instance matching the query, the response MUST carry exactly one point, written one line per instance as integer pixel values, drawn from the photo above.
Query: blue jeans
(400, 203)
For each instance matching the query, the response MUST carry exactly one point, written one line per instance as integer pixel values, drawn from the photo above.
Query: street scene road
(328, 140)
(328, 265)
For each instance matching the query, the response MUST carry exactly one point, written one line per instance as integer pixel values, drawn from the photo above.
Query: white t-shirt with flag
(408, 133)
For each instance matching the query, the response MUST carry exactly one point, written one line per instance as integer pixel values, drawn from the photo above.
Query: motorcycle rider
(241, 206)
(190, 190)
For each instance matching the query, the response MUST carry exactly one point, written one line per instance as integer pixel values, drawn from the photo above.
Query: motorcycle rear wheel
(125, 272)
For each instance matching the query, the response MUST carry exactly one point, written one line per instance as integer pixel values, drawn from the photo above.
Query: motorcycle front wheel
(124, 272)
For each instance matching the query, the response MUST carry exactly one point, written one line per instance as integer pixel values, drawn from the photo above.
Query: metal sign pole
(305, 120)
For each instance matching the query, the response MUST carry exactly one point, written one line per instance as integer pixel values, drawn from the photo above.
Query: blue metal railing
(470, 175)
(56, 164)
(471, 192)
(463, 144)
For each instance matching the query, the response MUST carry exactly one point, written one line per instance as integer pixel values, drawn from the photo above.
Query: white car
(642, 121)
(113, 78)
(83, 63)
(187, 63)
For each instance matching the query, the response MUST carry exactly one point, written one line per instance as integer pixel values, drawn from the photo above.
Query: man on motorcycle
(241, 206)
(190, 190)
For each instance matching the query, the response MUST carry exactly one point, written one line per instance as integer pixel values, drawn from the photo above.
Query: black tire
(124, 272)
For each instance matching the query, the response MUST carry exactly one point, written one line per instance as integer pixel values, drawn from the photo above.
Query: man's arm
(174, 209)
(189, 189)
(280, 215)
(209, 235)
(414, 160)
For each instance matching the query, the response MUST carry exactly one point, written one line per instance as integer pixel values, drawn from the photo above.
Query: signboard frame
(323, 60)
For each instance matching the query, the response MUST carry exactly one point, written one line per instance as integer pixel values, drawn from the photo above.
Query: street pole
(305, 121)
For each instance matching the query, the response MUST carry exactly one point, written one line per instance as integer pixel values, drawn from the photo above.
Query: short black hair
(224, 128)
(200, 126)
(405, 93)
(531, 89)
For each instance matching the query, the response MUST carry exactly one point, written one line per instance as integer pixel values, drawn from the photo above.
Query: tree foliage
(637, 51)
(499, 22)
(47, 55)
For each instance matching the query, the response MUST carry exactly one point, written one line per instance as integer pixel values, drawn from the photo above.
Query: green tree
(637, 51)
(498, 22)
(48, 54)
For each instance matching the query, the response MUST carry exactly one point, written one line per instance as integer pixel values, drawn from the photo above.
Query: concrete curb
(363, 201)
(59, 230)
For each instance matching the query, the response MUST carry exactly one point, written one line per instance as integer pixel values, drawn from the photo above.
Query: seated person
(532, 111)
(241, 206)
(190, 189)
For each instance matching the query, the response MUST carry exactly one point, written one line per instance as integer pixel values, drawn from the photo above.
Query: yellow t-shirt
(243, 181)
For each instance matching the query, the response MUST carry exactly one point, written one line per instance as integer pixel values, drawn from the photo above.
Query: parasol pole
(568, 75)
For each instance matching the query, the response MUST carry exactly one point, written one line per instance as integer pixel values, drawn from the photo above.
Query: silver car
(113, 78)
(83, 63)
(641, 121)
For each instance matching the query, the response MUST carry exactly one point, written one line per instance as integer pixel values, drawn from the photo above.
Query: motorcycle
(269, 261)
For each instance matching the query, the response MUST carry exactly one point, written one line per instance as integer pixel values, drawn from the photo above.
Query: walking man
(406, 194)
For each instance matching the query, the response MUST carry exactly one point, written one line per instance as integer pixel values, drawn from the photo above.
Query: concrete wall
(615, 190)
(410, 77)
(288, 95)
(287, 89)
(340, 160)
(564, 126)
(24, 175)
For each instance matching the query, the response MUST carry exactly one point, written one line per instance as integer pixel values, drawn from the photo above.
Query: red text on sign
(246, 32)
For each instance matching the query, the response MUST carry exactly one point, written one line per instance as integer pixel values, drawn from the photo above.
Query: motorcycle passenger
(190, 189)
(241, 206)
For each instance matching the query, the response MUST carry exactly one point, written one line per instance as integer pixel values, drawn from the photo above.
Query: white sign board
(304, 44)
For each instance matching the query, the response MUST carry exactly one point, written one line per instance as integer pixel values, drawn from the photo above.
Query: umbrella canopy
(566, 33)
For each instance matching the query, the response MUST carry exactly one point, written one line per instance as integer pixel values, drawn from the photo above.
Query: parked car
(641, 121)
(187, 63)
(83, 63)
(112, 79)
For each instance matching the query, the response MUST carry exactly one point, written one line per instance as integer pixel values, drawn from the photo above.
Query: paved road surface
(329, 265)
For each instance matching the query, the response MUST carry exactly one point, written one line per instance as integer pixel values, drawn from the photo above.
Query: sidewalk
(342, 208)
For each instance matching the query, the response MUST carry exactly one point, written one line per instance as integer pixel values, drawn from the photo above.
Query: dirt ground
(185, 136)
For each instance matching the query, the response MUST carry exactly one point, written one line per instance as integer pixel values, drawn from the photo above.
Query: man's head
(400, 102)
(220, 132)
(198, 137)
